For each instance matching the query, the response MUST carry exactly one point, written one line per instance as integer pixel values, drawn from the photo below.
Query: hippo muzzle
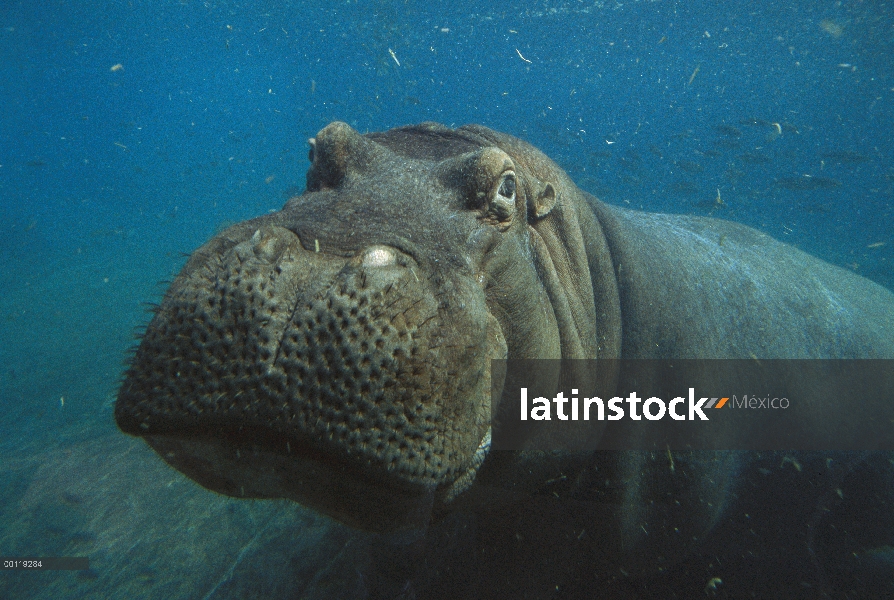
(287, 364)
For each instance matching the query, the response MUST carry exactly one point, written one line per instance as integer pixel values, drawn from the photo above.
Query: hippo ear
(339, 153)
(543, 198)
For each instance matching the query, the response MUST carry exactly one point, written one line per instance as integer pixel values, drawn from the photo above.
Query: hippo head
(338, 352)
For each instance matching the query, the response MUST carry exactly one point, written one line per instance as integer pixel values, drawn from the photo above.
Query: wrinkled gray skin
(337, 352)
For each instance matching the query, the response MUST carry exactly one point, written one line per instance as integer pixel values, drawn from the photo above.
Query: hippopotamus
(338, 353)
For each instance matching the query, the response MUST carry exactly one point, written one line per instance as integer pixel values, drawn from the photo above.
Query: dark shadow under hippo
(338, 353)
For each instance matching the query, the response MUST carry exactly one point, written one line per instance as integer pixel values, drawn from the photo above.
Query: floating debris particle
(831, 27)
(694, 73)
(118, 67)
(792, 461)
(712, 584)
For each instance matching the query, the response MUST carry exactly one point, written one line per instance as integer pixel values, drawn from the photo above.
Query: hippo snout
(274, 345)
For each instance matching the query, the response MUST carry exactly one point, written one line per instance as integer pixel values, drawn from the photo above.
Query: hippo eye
(507, 187)
(503, 202)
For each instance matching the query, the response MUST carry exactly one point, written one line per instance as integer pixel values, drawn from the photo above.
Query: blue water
(131, 131)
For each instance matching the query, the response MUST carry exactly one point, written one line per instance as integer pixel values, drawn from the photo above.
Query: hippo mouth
(338, 488)
(275, 370)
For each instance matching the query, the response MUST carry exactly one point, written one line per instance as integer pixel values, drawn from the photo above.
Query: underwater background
(130, 132)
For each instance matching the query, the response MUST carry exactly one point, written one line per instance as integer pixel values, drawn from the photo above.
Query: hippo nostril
(268, 243)
(379, 256)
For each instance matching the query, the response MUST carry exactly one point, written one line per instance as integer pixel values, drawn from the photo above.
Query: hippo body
(338, 353)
